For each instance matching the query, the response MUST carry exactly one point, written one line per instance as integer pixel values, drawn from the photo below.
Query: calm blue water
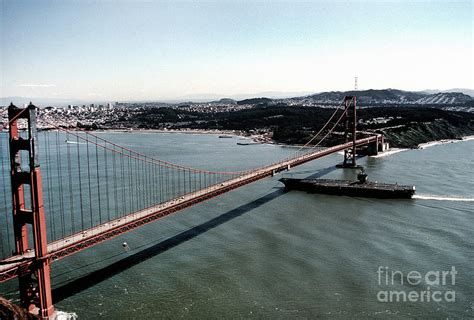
(260, 252)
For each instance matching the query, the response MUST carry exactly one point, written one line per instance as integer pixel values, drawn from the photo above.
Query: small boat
(73, 142)
(248, 143)
(225, 136)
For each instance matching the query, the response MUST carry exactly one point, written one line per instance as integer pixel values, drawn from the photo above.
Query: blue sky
(126, 50)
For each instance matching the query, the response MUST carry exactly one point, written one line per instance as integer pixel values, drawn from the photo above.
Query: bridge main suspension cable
(90, 181)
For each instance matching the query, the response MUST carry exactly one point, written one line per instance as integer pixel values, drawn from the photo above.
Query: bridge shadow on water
(95, 277)
(80, 284)
(321, 172)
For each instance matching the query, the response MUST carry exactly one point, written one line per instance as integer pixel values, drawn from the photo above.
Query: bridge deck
(13, 266)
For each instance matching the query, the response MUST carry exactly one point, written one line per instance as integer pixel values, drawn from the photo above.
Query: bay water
(261, 252)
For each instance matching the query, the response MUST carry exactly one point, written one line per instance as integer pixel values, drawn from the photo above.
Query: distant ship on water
(73, 142)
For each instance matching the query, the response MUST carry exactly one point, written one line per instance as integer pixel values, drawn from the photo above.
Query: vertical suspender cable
(184, 181)
(153, 180)
(69, 169)
(168, 186)
(130, 193)
(148, 185)
(49, 169)
(60, 175)
(122, 186)
(137, 184)
(4, 183)
(114, 166)
(173, 182)
(98, 179)
(80, 183)
(160, 185)
(106, 169)
(90, 184)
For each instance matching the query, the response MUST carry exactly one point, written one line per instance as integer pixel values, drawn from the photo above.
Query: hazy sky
(122, 50)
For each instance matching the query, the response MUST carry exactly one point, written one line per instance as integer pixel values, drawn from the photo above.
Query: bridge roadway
(15, 265)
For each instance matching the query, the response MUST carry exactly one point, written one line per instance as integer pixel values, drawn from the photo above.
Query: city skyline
(165, 51)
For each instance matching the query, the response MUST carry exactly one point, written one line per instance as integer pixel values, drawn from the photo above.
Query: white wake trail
(62, 315)
(442, 198)
(389, 152)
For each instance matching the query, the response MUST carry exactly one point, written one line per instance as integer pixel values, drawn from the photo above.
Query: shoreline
(264, 139)
(236, 133)
(255, 138)
(424, 145)
(429, 144)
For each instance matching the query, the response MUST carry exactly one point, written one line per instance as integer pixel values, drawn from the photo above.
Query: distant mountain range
(364, 97)
(389, 97)
(469, 92)
(214, 97)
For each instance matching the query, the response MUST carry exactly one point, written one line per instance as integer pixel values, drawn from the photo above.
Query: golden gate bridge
(92, 190)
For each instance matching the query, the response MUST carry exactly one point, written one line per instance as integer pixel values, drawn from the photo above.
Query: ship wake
(442, 198)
